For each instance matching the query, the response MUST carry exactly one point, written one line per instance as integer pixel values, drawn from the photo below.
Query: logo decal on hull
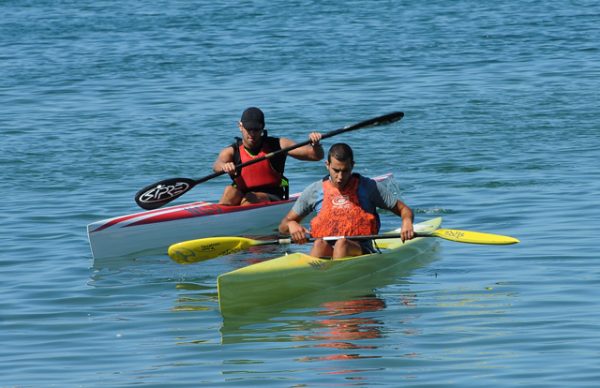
(320, 264)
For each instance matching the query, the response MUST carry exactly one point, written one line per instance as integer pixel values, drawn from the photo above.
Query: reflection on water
(343, 326)
(117, 263)
(197, 300)
(326, 338)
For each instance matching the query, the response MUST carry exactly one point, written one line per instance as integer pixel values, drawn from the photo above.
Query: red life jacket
(341, 213)
(265, 176)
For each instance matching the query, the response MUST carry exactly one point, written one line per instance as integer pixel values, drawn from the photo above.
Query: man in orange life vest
(346, 205)
(262, 181)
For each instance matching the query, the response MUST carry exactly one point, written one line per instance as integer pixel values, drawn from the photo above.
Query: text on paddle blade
(163, 192)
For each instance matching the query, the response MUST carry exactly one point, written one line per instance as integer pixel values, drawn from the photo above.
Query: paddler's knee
(231, 196)
(344, 248)
(257, 197)
(321, 248)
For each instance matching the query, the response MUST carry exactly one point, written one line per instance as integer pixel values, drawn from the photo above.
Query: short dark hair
(342, 152)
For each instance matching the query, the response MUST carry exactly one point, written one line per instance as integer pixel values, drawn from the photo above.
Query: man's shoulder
(315, 186)
(371, 187)
(229, 150)
(310, 192)
(273, 143)
(237, 142)
(366, 181)
(307, 200)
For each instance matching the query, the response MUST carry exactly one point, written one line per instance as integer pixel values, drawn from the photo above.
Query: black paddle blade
(387, 119)
(163, 192)
(380, 120)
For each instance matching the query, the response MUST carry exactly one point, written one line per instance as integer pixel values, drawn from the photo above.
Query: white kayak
(151, 232)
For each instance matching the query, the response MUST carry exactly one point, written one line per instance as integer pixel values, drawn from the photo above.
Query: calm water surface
(501, 135)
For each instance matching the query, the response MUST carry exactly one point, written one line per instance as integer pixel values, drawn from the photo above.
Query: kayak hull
(151, 232)
(147, 233)
(296, 276)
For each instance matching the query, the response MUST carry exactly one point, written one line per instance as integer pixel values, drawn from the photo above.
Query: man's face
(340, 172)
(252, 138)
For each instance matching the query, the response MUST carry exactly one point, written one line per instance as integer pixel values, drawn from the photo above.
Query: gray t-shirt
(371, 195)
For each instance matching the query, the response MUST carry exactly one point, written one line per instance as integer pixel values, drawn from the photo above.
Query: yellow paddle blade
(193, 251)
(469, 237)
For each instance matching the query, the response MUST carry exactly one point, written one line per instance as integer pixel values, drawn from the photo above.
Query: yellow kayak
(297, 275)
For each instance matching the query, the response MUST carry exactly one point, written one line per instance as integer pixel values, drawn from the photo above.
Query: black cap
(253, 118)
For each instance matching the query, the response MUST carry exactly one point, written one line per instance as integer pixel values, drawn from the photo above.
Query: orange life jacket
(341, 213)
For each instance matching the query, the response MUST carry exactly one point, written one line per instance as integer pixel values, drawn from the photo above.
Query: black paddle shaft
(165, 191)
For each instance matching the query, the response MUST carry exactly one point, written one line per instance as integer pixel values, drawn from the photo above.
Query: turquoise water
(501, 134)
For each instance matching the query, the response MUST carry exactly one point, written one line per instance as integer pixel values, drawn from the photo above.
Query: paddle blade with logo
(193, 251)
(157, 194)
(470, 237)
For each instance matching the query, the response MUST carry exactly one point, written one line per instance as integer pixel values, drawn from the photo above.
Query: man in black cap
(262, 181)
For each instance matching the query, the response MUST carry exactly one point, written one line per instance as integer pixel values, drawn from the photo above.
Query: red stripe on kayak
(203, 211)
(141, 214)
